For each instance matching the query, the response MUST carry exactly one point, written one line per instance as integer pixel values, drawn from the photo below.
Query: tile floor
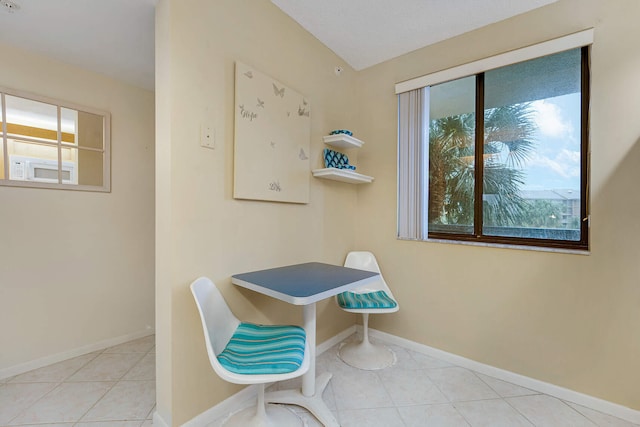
(116, 388)
(423, 391)
(109, 388)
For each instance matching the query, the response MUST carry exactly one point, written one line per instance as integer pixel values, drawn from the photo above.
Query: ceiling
(112, 37)
(368, 32)
(116, 37)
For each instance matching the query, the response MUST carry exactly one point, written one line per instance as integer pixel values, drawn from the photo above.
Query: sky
(555, 163)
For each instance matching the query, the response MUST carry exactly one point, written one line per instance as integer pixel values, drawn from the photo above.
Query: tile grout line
(461, 414)
(519, 412)
(504, 399)
(150, 414)
(568, 403)
(115, 383)
(96, 402)
(384, 387)
(57, 383)
(449, 401)
(103, 395)
(577, 412)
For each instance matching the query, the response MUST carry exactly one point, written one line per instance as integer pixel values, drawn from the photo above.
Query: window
(50, 144)
(499, 156)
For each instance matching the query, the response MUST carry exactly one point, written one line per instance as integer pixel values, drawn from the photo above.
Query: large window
(499, 156)
(50, 144)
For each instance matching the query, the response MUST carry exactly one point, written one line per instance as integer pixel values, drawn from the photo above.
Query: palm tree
(507, 129)
(451, 141)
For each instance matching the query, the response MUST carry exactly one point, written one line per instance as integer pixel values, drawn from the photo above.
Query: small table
(306, 284)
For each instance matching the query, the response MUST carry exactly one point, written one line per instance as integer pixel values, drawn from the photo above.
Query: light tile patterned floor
(110, 388)
(116, 388)
(421, 391)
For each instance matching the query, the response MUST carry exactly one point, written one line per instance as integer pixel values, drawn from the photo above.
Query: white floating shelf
(342, 175)
(342, 140)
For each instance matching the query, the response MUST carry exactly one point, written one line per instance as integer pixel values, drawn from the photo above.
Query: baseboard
(590, 402)
(337, 339)
(59, 357)
(234, 402)
(224, 408)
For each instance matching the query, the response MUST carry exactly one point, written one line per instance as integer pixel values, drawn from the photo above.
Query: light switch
(207, 136)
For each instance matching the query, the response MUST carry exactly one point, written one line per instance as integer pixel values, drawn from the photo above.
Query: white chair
(244, 353)
(368, 299)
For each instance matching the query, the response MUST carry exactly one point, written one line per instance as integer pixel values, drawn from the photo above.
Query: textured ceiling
(367, 32)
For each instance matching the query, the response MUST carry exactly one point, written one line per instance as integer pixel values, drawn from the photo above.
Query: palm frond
(512, 126)
(452, 165)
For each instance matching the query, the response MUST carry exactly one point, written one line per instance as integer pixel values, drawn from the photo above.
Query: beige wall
(566, 319)
(201, 229)
(77, 267)
(570, 320)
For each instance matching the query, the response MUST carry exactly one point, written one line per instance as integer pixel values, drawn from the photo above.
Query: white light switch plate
(207, 136)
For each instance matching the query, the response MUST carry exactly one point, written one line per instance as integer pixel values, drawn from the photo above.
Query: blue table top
(303, 284)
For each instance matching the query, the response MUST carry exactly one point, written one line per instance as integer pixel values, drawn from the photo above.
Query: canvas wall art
(272, 137)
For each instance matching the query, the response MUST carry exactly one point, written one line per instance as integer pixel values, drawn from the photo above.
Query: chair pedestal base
(276, 416)
(367, 356)
(314, 403)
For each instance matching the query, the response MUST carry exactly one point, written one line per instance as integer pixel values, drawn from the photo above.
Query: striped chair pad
(264, 349)
(378, 299)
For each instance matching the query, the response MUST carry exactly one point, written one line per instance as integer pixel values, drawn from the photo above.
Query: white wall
(78, 267)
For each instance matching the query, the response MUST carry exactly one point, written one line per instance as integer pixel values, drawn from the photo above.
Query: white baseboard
(59, 357)
(590, 402)
(224, 408)
(235, 402)
(337, 339)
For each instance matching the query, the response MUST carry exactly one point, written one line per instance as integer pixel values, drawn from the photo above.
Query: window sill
(503, 246)
(54, 186)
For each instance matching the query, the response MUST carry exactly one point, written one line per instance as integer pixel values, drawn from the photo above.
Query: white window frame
(59, 144)
(572, 41)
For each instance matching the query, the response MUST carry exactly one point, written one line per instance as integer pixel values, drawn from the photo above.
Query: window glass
(1, 158)
(68, 122)
(452, 156)
(90, 170)
(33, 120)
(52, 145)
(29, 161)
(507, 158)
(90, 130)
(532, 149)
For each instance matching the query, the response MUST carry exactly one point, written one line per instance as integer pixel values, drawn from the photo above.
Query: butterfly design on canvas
(278, 91)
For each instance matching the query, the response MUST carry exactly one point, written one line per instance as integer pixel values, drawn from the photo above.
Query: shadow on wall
(615, 248)
(614, 211)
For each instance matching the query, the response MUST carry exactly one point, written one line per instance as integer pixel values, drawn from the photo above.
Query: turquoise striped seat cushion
(264, 349)
(378, 299)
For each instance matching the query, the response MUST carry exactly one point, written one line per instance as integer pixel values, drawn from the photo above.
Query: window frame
(479, 68)
(59, 144)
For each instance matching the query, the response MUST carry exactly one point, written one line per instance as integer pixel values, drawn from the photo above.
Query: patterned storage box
(335, 159)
